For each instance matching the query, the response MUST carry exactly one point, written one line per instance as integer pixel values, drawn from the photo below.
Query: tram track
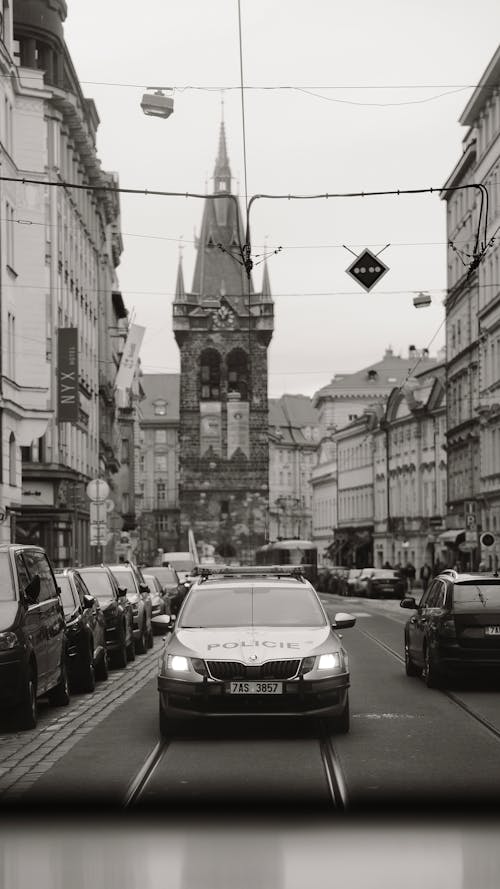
(332, 773)
(456, 699)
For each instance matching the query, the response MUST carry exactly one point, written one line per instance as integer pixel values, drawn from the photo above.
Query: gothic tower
(223, 329)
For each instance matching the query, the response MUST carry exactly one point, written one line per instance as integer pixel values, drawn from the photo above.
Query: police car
(253, 641)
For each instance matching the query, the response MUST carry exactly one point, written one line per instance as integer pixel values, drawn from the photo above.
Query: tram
(290, 552)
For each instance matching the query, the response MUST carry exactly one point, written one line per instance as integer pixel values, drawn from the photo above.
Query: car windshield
(125, 579)
(384, 575)
(285, 606)
(99, 585)
(150, 579)
(467, 596)
(66, 591)
(7, 591)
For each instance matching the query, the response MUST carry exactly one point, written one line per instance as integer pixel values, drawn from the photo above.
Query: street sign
(470, 520)
(470, 507)
(487, 539)
(367, 269)
(98, 513)
(471, 537)
(97, 489)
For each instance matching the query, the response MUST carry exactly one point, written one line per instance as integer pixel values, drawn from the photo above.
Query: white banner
(130, 355)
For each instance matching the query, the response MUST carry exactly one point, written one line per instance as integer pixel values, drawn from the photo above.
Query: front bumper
(300, 697)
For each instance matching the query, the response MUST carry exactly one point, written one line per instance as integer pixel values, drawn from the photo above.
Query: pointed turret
(222, 172)
(266, 285)
(180, 293)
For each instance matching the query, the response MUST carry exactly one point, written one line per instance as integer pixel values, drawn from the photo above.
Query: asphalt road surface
(410, 748)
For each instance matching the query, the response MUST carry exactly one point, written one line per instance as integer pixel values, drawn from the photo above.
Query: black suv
(32, 633)
(455, 628)
(86, 630)
(117, 611)
(129, 576)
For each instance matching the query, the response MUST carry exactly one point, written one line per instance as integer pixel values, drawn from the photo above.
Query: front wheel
(430, 674)
(340, 725)
(88, 675)
(26, 713)
(59, 695)
(410, 668)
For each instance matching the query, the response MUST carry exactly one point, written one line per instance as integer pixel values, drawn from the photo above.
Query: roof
(158, 387)
(289, 416)
(482, 94)
(374, 380)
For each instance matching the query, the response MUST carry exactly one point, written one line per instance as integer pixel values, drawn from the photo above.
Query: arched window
(12, 460)
(210, 362)
(237, 374)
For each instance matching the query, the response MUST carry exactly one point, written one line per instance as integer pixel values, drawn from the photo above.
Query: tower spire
(222, 171)
(180, 293)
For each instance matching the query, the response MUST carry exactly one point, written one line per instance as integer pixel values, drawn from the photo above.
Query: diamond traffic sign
(367, 269)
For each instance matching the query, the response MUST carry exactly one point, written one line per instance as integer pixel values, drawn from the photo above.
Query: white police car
(253, 641)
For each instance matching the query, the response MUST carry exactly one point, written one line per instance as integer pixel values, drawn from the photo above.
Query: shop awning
(452, 537)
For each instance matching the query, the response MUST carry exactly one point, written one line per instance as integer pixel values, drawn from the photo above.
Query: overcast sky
(389, 81)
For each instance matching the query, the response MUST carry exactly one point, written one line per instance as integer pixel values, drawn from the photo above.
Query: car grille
(269, 670)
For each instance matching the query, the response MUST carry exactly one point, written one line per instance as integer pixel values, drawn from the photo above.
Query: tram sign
(98, 490)
(367, 269)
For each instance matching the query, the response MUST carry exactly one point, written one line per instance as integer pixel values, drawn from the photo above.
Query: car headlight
(8, 640)
(330, 661)
(178, 663)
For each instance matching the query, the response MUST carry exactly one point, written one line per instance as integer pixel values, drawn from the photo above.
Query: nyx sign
(68, 401)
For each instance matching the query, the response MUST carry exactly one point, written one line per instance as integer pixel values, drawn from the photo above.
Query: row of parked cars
(60, 631)
(374, 583)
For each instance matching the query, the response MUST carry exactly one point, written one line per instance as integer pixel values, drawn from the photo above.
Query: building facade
(473, 326)
(293, 441)
(223, 329)
(57, 278)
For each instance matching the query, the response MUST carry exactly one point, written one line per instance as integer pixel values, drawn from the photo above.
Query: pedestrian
(425, 575)
(410, 573)
(387, 564)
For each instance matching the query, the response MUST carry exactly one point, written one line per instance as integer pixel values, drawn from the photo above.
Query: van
(183, 563)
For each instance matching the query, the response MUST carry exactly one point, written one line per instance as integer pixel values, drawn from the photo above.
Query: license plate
(492, 631)
(255, 688)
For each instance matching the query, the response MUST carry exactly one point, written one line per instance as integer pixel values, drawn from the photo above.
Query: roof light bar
(251, 570)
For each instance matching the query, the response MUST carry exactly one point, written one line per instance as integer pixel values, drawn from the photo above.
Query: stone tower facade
(223, 330)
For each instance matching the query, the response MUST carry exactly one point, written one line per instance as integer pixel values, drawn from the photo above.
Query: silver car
(253, 642)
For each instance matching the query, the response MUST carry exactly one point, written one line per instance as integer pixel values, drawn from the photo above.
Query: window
(160, 436)
(160, 407)
(161, 463)
(237, 374)
(12, 460)
(9, 221)
(125, 451)
(161, 492)
(210, 374)
(37, 564)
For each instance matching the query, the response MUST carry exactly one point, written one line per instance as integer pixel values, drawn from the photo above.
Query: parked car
(352, 581)
(183, 563)
(130, 577)
(385, 583)
(337, 580)
(87, 656)
(117, 611)
(455, 629)
(159, 600)
(167, 576)
(32, 633)
(361, 582)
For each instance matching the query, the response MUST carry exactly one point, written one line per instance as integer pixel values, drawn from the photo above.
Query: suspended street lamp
(157, 104)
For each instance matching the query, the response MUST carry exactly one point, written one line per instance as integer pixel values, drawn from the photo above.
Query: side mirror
(343, 621)
(408, 602)
(122, 592)
(32, 590)
(143, 587)
(163, 622)
(89, 601)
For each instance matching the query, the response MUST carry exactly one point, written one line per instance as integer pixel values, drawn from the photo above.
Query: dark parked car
(385, 583)
(32, 633)
(86, 631)
(159, 600)
(117, 611)
(455, 629)
(130, 578)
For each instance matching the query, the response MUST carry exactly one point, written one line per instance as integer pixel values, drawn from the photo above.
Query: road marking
(383, 716)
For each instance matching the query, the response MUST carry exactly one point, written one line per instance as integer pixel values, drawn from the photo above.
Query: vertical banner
(238, 428)
(68, 400)
(210, 427)
(129, 358)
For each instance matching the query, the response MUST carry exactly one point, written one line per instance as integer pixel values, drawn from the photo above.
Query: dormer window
(160, 407)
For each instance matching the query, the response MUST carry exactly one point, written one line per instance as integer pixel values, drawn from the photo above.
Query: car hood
(8, 611)
(253, 645)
